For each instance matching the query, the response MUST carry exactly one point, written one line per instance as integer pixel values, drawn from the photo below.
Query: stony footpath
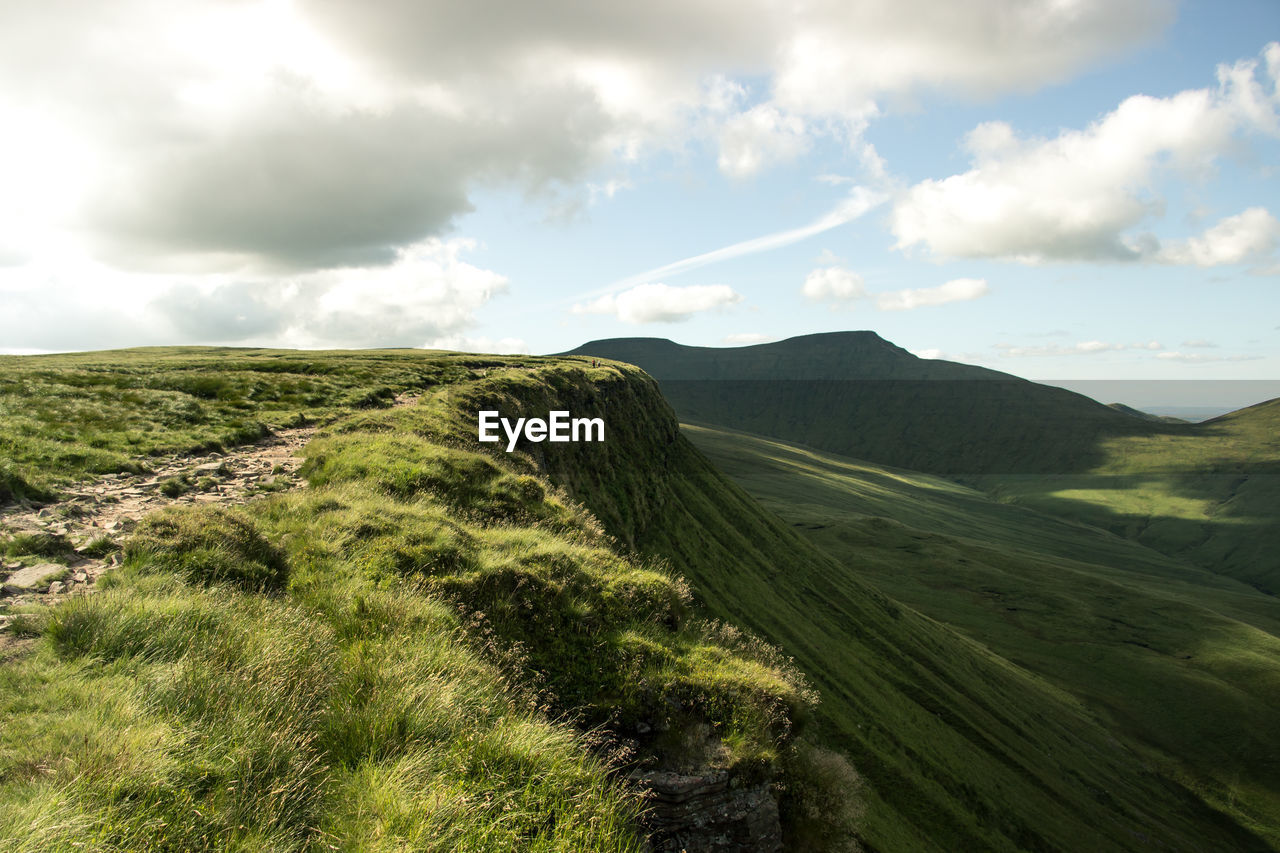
(95, 517)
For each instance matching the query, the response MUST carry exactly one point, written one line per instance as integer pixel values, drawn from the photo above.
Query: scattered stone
(33, 578)
(80, 577)
(56, 587)
(209, 468)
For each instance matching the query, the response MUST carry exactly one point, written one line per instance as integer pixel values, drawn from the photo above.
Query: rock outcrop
(709, 812)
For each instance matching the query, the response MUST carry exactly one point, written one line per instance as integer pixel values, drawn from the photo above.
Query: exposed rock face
(709, 813)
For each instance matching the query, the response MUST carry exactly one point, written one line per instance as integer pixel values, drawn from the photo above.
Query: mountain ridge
(856, 394)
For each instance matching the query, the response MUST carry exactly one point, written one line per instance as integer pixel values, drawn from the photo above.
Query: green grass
(1182, 665)
(428, 648)
(1208, 496)
(441, 645)
(68, 417)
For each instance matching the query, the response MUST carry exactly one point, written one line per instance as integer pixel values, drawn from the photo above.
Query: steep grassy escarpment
(961, 749)
(429, 648)
(1180, 663)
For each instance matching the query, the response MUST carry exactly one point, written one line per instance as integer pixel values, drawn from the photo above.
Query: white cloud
(1074, 197)
(466, 343)
(747, 338)
(956, 290)
(1082, 348)
(1250, 236)
(928, 353)
(321, 133)
(758, 137)
(1200, 343)
(428, 293)
(838, 55)
(661, 303)
(1202, 358)
(833, 284)
(859, 201)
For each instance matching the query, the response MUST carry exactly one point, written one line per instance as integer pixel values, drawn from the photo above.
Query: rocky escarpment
(709, 812)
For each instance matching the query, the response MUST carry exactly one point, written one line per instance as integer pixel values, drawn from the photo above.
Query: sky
(1068, 189)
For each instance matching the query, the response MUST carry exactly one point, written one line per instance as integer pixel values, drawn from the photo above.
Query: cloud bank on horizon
(315, 173)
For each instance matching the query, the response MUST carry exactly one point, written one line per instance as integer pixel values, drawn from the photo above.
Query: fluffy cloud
(833, 284)
(1247, 237)
(428, 295)
(265, 135)
(661, 303)
(759, 136)
(1074, 197)
(467, 343)
(838, 55)
(956, 290)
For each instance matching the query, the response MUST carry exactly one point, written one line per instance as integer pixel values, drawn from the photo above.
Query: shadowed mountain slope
(1207, 492)
(856, 394)
(1177, 660)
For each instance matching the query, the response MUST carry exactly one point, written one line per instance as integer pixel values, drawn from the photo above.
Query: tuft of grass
(53, 545)
(207, 545)
(99, 547)
(176, 486)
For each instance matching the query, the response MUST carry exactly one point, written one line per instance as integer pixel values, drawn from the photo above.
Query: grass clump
(52, 545)
(100, 547)
(208, 545)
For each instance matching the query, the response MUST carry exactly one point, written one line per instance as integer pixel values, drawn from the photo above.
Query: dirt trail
(112, 505)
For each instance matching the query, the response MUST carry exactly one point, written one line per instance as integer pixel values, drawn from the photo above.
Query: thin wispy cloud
(860, 201)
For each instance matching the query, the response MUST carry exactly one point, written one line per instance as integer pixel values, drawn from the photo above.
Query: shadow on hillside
(948, 427)
(1220, 518)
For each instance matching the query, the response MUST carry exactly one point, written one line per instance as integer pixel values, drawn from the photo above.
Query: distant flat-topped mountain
(857, 394)
(832, 355)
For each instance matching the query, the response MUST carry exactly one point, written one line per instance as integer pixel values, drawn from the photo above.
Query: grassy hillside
(1210, 496)
(1207, 493)
(1181, 664)
(428, 648)
(434, 646)
(962, 750)
(69, 417)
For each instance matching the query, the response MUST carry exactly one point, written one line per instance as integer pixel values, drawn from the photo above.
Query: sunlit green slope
(1182, 665)
(1210, 496)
